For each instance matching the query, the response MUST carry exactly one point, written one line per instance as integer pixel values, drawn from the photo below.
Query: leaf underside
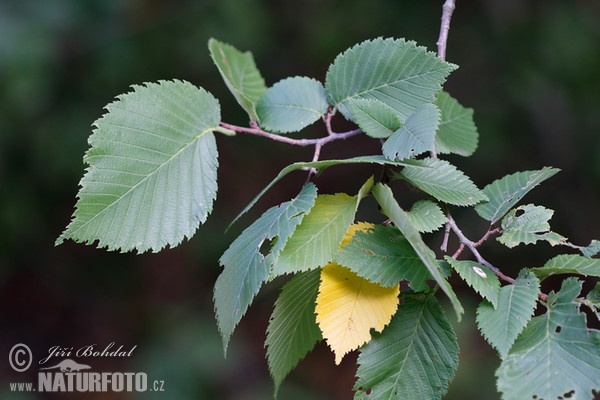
(569, 264)
(246, 268)
(443, 181)
(152, 175)
(239, 71)
(479, 277)
(457, 132)
(292, 104)
(516, 304)
(416, 136)
(505, 192)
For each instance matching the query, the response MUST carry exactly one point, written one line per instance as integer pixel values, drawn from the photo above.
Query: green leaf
(479, 277)
(292, 104)
(592, 250)
(443, 181)
(152, 175)
(246, 268)
(516, 303)
(505, 192)
(556, 356)
(416, 136)
(426, 216)
(592, 300)
(569, 264)
(415, 357)
(389, 206)
(384, 256)
(457, 132)
(321, 166)
(292, 330)
(317, 239)
(527, 224)
(239, 71)
(375, 118)
(399, 73)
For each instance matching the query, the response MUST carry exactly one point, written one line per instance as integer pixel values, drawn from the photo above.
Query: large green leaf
(389, 206)
(399, 73)
(246, 268)
(383, 255)
(416, 136)
(152, 175)
(415, 357)
(527, 224)
(239, 71)
(374, 117)
(505, 192)
(292, 330)
(556, 356)
(479, 277)
(443, 181)
(317, 239)
(516, 304)
(457, 132)
(569, 264)
(292, 104)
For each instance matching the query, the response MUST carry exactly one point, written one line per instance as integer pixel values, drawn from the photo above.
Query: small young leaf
(317, 239)
(505, 192)
(416, 136)
(569, 264)
(391, 208)
(479, 277)
(516, 303)
(556, 356)
(382, 255)
(246, 268)
(426, 216)
(527, 224)
(443, 181)
(399, 73)
(457, 132)
(292, 330)
(292, 104)
(415, 357)
(152, 175)
(349, 306)
(374, 117)
(240, 74)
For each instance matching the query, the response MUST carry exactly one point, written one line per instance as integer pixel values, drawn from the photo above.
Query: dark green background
(530, 69)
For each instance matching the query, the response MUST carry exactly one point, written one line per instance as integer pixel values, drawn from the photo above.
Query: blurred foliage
(530, 70)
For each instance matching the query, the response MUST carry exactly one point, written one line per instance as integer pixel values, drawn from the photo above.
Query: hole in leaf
(568, 395)
(519, 212)
(558, 329)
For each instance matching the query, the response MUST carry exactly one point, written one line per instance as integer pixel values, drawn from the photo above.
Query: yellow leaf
(349, 306)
